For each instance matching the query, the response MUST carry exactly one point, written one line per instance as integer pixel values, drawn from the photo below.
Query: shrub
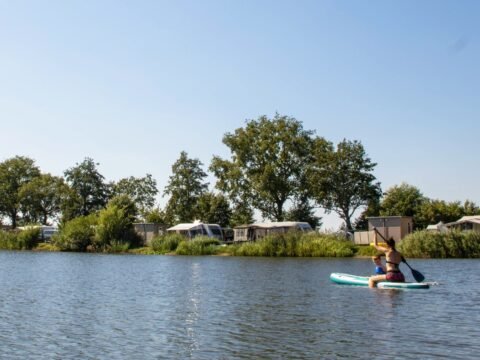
(452, 244)
(76, 234)
(200, 245)
(114, 231)
(8, 240)
(166, 243)
(29, 238)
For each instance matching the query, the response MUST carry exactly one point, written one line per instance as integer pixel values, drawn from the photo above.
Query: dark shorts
(395, 276)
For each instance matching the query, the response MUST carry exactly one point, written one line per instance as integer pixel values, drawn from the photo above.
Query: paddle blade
(418, 276)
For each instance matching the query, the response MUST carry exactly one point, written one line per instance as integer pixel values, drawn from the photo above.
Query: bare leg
(373, 280)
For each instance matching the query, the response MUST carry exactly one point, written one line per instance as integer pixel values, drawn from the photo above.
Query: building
(466, 223)
(148, 231)
(396, 227)
(252, 232)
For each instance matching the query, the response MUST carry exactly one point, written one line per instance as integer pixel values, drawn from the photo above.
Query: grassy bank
(452, 244)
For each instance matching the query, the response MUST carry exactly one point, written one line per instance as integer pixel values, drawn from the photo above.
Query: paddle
(417, 275)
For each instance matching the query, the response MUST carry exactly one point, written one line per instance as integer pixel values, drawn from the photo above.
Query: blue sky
(133, 83)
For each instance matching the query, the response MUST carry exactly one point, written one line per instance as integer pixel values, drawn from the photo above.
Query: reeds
(451, 244)
(297, 244)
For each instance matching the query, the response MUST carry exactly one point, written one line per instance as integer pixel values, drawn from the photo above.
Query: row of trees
(276, 168)
(408, 200)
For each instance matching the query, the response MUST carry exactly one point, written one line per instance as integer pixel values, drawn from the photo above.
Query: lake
(84, 306)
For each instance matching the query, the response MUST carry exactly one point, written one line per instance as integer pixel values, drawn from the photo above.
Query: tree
(268, 164)
(341, 180)
(302, 210)
(433, 211)
(401, 200)
(141, 190)
(185, 187)
(89, 185)
(214, 209)
(14, 173)
(42, 198)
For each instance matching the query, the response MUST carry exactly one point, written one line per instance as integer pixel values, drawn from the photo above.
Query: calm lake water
(82, 306)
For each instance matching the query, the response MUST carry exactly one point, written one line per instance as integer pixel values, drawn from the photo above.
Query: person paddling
(394, 258)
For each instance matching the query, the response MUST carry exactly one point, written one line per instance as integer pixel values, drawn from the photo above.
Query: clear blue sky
(133, 83)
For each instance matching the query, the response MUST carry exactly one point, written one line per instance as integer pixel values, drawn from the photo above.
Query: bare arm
(375, 242)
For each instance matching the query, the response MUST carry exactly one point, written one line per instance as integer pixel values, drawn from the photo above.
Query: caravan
(191, 230)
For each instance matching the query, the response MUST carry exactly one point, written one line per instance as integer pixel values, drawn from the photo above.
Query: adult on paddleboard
(394, 258)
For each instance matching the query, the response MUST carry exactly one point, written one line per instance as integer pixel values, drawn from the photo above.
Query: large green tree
(401, 200)
(185, 187)
(342, 180)
(42, 198)
(269, 158)
(15, 173)
(141, 190)
(89, 185)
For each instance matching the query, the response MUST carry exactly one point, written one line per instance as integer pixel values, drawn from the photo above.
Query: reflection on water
(71, 306)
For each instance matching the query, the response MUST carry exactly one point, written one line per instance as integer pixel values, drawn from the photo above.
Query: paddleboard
(347, 279)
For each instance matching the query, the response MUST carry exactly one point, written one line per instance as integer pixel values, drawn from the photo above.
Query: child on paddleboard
(379, 267)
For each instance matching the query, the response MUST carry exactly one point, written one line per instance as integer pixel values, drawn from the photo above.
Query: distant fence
(363, 237)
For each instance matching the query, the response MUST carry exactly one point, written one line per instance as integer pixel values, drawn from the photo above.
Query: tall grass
(23, 240)
(297, 244)
(452, 244)
(165, 244)
(200, 245)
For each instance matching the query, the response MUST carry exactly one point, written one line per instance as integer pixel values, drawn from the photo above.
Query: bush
(200, 245)
(452, 244)
(8, 240)
(114, 231)
(76, 234)
(22, 240)
(166, 243)
(29, 238)
(366, 250)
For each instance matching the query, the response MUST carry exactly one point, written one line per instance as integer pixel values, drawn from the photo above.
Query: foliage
(8, 240)
(303, 211)
(451, 244)
(342, 180)
(142, 191)
(42, 198)
(89, 186)
(28, 238)
(434, 211)
(114, 231)
(185, 186)
(268, 164)
(200, 245)
(365, 250)
(166, 243)
(14, 173)
(155, 215)
(214, 209)
(372, 209)
(297, 244)
(76, 234)
(242, 213)
(129, 207)
(401, 200)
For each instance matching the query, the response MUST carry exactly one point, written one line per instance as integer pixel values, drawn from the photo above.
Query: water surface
(83, 306)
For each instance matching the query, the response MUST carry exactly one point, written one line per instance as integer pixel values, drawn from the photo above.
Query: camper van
(191, 230)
